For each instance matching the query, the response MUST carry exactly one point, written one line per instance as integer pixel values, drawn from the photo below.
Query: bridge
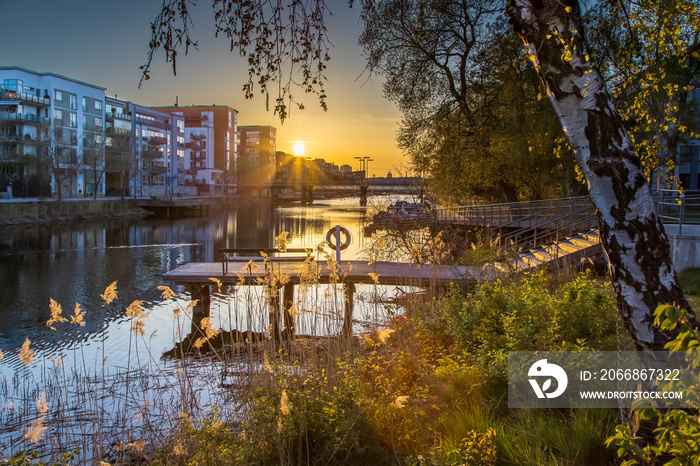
(307, 190)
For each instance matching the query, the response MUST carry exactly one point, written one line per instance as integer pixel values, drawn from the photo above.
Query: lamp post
(364, 165)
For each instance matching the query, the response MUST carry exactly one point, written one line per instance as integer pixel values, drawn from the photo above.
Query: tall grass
(148, 409)
(426, 386)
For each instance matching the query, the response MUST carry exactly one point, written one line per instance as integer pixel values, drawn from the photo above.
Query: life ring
(330, 237)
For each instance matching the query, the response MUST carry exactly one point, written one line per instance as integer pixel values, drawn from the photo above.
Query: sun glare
(299, 149)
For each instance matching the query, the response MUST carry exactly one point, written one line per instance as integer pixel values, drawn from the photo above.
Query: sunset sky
(105, 41)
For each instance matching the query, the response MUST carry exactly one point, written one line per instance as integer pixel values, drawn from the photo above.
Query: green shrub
(532, 316)
(678, 430)
(298, 416)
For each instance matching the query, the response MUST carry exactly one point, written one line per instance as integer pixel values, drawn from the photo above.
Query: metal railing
(545, 231)
(680, 208)
(513, 214)
(11, 95)
(24, 117)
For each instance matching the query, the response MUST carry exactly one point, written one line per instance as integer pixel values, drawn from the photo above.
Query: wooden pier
(196, 276)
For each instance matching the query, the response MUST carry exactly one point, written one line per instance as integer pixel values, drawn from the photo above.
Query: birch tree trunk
(633, 237)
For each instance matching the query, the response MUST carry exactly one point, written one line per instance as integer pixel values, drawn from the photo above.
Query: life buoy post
(333, 238)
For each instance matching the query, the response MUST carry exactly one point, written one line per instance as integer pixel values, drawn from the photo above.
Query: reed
(421, 382)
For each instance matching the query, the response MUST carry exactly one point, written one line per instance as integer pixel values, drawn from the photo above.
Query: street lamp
(364, 165)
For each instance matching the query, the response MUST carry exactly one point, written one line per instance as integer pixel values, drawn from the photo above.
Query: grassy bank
(429, 387)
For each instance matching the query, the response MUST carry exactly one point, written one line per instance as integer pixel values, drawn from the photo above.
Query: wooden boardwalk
(388, 273)
(196, 276)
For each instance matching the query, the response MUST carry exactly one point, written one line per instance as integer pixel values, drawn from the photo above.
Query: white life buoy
(330, 238)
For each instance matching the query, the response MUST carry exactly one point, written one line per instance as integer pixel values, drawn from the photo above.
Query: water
(74, 263)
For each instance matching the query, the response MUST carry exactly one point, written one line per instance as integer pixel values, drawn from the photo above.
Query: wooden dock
(196, 276)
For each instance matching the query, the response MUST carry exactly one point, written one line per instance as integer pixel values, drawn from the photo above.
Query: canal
(74, 263)
(103, 361)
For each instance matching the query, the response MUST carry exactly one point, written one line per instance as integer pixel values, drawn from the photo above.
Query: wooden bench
(274, 254)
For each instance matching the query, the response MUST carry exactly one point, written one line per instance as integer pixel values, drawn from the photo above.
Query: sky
(104, 42)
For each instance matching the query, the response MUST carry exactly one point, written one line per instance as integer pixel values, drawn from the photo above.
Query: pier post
(363, 196)
(275, 315)
(287, 303)
(349, 298)
(199, 292)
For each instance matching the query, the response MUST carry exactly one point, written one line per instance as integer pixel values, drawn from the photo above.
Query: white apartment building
(51, 133)
(159, 146)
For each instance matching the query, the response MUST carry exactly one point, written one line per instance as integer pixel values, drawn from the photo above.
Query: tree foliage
(284, 43)
(649, 52)
(472, 119)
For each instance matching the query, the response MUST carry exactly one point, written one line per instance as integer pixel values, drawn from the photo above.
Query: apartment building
(210, 159)
(257, 160)
(159, 148)
(120, 164)
(51, 134)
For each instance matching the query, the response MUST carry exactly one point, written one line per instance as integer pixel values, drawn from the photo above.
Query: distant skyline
(104, 43)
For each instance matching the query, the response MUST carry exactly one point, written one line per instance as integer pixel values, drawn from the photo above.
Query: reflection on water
(76, 262)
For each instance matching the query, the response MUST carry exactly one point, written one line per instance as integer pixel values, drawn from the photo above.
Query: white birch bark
(633, 237)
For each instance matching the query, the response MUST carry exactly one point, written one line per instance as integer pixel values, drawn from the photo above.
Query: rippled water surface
(73, 263)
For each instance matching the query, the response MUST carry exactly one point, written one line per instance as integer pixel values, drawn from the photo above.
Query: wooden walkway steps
(570, 250)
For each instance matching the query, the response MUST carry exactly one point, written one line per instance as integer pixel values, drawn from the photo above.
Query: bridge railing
(513, 214)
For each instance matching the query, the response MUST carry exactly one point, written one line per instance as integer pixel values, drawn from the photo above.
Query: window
(73, 120)
(84, 104)
(98, 138)
(180, 126)
(98, 122)
(74, 102)
(180, 154)
(57, 114)
(143, 116)
(181, 140)
(98, 105)
(58, 95)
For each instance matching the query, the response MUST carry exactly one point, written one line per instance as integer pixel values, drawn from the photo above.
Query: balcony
(192, 145)
(156, 169)
(23, 118)
(10, 138)
(117, 132)
(157, 140)
(11, 96)
(196, 121)
(110, 116)
(148, 123)
(151, 154)
(198, 158)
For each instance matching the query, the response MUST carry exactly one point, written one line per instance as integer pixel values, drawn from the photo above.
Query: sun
(299, 148)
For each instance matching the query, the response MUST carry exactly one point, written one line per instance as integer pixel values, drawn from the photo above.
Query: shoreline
(41, 212)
